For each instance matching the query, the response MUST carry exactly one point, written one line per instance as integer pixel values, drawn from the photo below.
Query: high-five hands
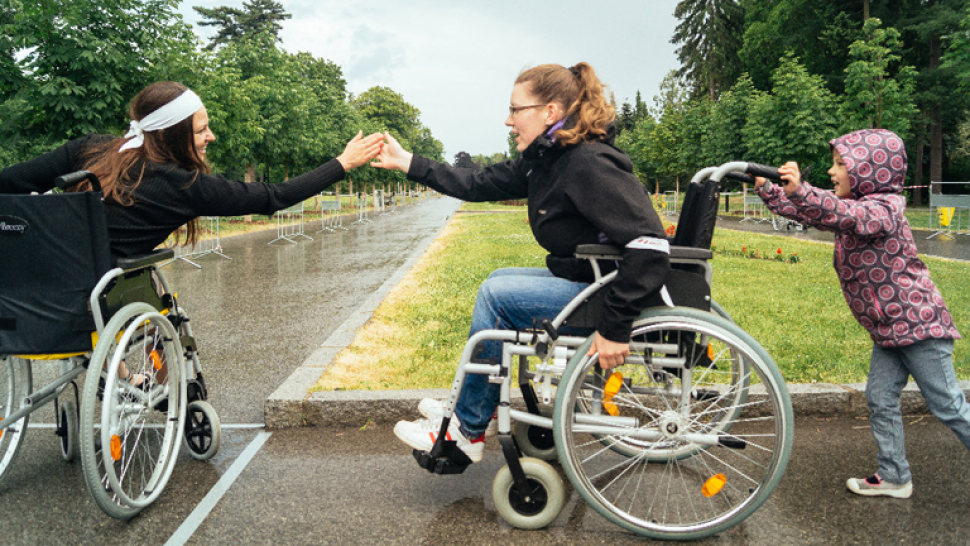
(393, 156)
(360, 150)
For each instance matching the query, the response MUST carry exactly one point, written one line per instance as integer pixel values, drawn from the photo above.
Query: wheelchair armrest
(601, 252)
(144, 260)
(690, 253)
(610, 252)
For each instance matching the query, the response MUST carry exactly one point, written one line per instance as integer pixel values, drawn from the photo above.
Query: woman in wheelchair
(157, 177)
(580, 190)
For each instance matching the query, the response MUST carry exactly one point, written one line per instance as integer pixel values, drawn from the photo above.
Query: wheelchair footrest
(451, 461)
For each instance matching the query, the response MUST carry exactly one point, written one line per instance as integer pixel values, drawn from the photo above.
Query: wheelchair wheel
(15, 384)
(67, 430)
(534, 441)
(675, 471)
(130, 434)
(714, 391)
(541, 507)
(203, 432)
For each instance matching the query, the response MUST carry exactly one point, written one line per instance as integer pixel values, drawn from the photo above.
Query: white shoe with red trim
(423, 433)
(434, 409)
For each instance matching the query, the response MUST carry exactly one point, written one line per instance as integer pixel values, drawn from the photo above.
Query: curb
(360, 408)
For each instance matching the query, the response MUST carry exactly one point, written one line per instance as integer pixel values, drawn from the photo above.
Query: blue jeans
(509, 299)
(930, 363)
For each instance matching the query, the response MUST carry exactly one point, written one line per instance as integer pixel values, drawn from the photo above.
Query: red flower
(779, 252)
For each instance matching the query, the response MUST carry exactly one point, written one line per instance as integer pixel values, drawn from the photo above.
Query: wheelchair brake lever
(550, 329)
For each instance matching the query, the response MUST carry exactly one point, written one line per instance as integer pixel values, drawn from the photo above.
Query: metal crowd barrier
(362, 209)
(670, 199)
(290, 224)
(754, 209)
(330, 217)
(947, 208)
(209, 243)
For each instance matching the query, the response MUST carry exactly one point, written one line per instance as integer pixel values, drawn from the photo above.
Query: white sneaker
(874, 486)
(423, 433)
(435, 409)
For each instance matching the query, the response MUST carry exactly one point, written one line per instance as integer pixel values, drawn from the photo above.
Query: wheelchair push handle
(765, 171)
(72, 179)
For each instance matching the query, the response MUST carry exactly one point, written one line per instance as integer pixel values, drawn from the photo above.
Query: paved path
(344, 486)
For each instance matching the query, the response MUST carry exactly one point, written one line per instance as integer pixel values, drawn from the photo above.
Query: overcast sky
(455, 60)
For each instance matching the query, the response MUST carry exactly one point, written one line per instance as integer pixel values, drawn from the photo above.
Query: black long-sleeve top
(579, 194)
(168, 196)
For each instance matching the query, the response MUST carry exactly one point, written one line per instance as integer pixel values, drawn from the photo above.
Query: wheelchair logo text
(11, 225)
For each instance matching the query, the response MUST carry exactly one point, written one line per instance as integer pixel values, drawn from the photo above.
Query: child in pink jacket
(888, 289)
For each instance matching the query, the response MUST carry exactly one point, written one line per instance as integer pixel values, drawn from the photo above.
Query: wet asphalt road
(348, 486)
(259, 315)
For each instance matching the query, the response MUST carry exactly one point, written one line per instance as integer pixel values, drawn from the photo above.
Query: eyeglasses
(513, 110)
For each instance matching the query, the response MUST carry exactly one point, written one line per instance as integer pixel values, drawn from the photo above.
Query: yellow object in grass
(946, 215)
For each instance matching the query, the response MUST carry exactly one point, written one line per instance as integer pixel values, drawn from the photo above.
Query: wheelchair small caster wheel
(534, 441)
(203, 431)
(541, 507)
(67, 429)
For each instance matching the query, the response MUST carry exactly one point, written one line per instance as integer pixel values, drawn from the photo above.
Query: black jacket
(168, 196)
(578, 194)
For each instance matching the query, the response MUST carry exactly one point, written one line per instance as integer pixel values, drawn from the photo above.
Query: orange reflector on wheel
(116, 447)
(710, 352)
(713, 485)
(612, 387)
(156, 360)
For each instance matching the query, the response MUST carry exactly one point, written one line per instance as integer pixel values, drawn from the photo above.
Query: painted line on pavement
(195, 519)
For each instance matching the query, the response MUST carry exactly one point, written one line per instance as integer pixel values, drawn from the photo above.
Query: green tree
(709, 35)
(879, 94)
(82, 61)
(233, 24)
(795, 121)
(728, 120)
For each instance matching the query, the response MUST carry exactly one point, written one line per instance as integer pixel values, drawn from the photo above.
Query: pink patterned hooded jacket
(886, 285)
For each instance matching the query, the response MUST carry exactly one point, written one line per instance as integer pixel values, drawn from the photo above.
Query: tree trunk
(865, 11)
(936, 123)
(918, 181)
(250, 178)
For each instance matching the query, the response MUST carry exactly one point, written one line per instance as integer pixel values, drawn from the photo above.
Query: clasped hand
(360, 150)
(790, 174)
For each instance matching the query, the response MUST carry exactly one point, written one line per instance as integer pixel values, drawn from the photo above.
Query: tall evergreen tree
(710, 35)
(256, 17)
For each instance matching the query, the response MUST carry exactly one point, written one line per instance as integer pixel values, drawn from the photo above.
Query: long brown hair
(579, 91)
(121, 173)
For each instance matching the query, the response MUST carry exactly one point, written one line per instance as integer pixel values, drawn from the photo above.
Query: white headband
(168, 115)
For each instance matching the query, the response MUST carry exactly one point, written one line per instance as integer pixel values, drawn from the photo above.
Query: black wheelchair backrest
(698, 215)
(53, 250)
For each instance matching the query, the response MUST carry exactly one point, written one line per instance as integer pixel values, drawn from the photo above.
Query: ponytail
(580, 93)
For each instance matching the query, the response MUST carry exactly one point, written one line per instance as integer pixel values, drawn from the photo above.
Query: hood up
(875, 160)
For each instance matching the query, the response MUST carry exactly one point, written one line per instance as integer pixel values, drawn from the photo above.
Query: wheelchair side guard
(444, 457)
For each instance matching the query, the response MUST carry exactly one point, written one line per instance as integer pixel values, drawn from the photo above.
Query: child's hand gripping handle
(764, 171)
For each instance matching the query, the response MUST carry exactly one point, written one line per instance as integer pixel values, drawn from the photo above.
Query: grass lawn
(795, 310)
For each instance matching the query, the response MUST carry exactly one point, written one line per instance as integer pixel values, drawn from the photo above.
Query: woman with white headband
(156, 178)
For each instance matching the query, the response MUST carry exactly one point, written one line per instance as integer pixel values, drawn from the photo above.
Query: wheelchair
(686, 439)
(64, 298)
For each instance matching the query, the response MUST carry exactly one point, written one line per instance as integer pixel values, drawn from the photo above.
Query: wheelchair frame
(127, 436)
(690, 443)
